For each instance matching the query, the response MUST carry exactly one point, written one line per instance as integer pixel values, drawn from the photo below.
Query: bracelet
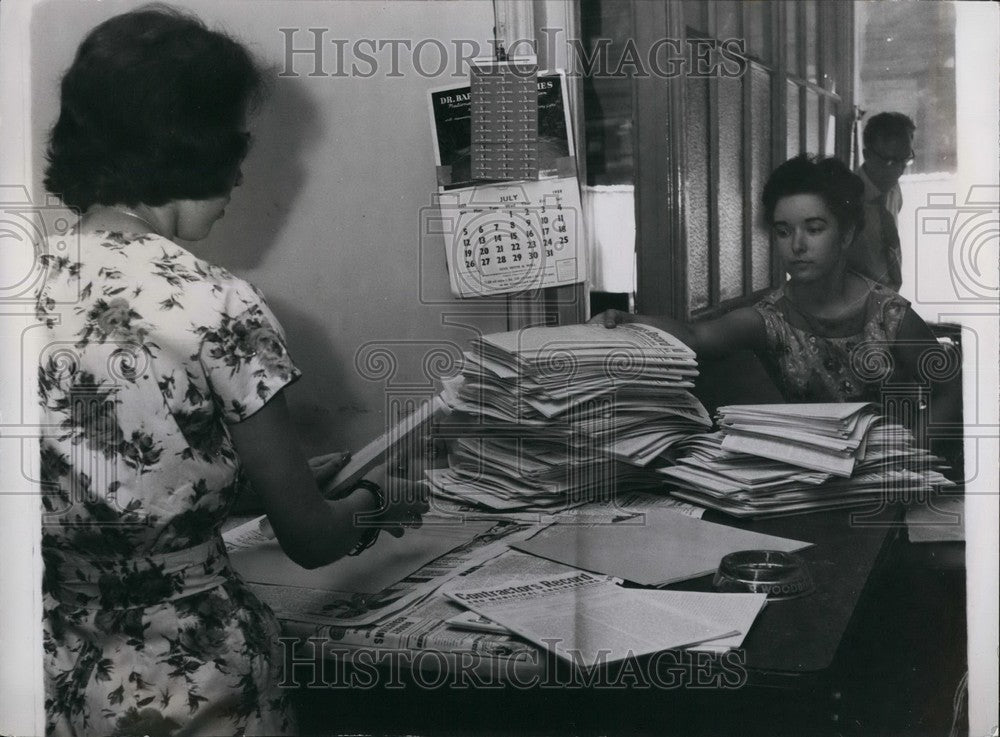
(370, 535)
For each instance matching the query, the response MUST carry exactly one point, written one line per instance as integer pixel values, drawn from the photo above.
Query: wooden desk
(791, 661)
(801, 636)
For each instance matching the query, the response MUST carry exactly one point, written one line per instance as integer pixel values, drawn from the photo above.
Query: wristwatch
(370, 535)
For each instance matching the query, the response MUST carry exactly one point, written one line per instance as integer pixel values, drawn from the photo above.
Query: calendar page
(507, 237)
(504, 238)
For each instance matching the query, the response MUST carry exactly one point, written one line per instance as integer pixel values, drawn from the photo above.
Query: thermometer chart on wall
(504, 238)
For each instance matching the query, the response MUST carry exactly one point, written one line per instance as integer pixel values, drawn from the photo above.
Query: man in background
(888, 150)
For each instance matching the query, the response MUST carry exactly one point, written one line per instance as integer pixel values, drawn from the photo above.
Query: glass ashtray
(775, 573)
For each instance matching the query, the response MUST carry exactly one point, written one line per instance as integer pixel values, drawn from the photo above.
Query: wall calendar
(511, 236)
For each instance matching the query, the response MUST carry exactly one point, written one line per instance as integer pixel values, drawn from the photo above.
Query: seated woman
(162, 385)
(827, 334)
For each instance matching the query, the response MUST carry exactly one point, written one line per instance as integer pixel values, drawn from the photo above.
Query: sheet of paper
(729, 611)
(532, 341)
(388, 561)
(585, 619)
(664, 548)
(374, 453)
(732, 611)
(836, 411)
(848, 441)
(796, 455)
(248, 535)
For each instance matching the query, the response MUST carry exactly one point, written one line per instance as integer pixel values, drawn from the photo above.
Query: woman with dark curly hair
(162, 388)
(820, 333)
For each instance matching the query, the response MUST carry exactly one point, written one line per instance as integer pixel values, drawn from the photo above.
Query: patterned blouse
(149, 354)
(816, 360)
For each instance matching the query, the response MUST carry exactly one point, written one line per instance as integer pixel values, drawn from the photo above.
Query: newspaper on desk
(423, 626)
(623, 505)
(352, 608)
(413, 618)
(588, 620)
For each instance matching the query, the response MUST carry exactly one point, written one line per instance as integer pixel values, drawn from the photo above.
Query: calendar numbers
(514, 241)
(511, 243)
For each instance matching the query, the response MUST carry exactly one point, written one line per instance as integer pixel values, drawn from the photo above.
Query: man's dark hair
(887, 125)
(152, 109)
(841, 189)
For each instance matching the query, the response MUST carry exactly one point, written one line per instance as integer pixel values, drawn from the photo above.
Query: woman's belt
(142, 581)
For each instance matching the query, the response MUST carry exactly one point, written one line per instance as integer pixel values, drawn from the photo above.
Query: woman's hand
(414, 459)
(407, 501)
(715, 338)
(311, 531)
(326, 467)
(612, 318)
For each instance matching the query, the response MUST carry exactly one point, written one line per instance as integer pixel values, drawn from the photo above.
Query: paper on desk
(533, 341)
(812, 412)
(730, 611)
(342, 609)
(622, 506)
(797, 455)
(735, 611)
(586, 619)
(388, 561)
(847, 442)
(665, 548)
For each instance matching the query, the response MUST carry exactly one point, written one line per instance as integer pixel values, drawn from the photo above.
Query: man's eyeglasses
(893, 162)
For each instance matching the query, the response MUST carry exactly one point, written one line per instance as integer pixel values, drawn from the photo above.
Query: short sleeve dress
(149, 354)
(815, 360)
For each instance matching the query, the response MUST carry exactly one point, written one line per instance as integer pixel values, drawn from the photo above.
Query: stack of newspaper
(790, 458)
(822, 437)
(552, 415)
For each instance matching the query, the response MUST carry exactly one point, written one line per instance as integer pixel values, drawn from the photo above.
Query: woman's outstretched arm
(743, 328)
(311, 530)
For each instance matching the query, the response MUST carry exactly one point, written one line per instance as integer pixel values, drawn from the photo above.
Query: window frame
(661, 163)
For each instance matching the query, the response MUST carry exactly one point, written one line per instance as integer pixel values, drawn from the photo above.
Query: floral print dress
(816, 360)
(149, 353)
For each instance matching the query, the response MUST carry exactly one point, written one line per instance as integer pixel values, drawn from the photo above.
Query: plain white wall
(328, 221)
(21, 693)
(949, 280)
(977, 82)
